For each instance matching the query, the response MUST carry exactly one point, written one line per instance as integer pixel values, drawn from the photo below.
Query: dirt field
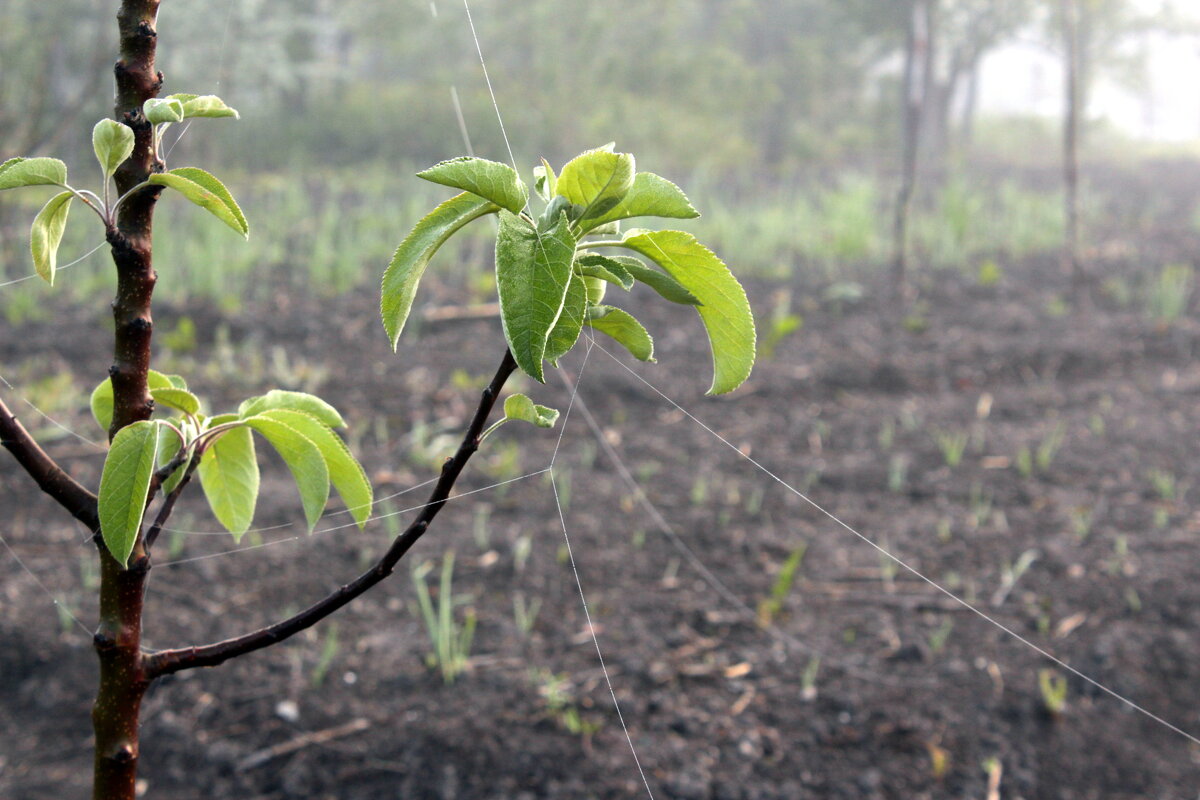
(1092, 556)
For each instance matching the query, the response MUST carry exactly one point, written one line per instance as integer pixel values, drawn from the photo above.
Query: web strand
(900, 562)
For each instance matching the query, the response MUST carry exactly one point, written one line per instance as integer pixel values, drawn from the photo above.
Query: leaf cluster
(551, 277)
(163, 454)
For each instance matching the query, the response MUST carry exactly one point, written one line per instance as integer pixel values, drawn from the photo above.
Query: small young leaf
(545, 180)
(490, 180)
(622, 327)
(17, 172)
(570, 322)
(113, 142)
(47, 233)
(404, 273)
(532, 273)
(667, 287)
(168, 448)
(204, 106)
(166, 109)
(102, 396)
(596, 181)
(725, 311)
(178, 399)
(345, 472)
(609, 269)
(182, 97)
(520, 407)
(124, 486)
(296, 401)
(205, 191)
(229, 476)
(303, 458)
(650, 196)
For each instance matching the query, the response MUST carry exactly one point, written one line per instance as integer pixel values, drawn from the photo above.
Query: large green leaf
(596, 181)
(490, 180)
(296, 401)
(519, 407)
(345, 472)
(566, 330)
(533, 271)
(404, 273)
(609, 269)
(302, 457)
(47, 233)
(17, 172)
(102, 396)
(113, 143)
(205, 191)
(229, 476)
(622, 327)
(725, 310)
(650, 196)
(124, 486)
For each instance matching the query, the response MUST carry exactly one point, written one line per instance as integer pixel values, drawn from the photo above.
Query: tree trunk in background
(1070, 255)
(916, 62)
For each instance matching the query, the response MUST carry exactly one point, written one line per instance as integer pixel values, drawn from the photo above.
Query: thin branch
(168, 505)
(168, 661)
(52, 478)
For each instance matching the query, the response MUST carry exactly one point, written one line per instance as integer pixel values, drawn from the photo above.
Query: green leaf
(596, 288)
(124, 486)
(102, 396)
(205, 191)
(206, 105)
(168, 448)
(609, 269)
(166, 109)
(650, 196)
(182, 97)
(596, 181)
(229, 476)
(403, 275)
(667, 287)
(295, 401)
(521, 408)
(178, 399)
(533, 271)
(724, 310)
(566, 330)
(490, 180)
(303, 458)
(545, 180)
(113, 142)
(47, 233)
(622, 327)
(345, 472)
(17, 172)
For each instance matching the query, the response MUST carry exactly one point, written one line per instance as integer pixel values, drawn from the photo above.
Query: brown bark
(123, 680)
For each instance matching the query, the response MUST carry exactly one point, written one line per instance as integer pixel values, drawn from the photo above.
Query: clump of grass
(772, 604)
(1053, 688)
(952, 444)
(451, 639)
(1167, 293)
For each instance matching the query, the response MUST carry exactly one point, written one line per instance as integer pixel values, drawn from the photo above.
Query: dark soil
(913, 693)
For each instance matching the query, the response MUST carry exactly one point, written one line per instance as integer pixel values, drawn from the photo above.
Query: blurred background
(974, 282)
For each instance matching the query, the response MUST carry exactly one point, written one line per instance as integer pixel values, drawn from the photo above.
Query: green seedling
(329, 651)
(1048, 448)
(939, 637)
(952, 445)
(1053, 688)
(782, 323)
(1168, 294)
(897, 477)
(771, 605)
(808, 679)
(450, 638)
(1011, 573)
(525, 613)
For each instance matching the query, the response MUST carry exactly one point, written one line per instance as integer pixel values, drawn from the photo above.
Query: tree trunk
(123, 679)
(1071, 262)
(915, 59)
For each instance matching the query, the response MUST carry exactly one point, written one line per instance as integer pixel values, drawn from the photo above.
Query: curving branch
(168, 661)
(50, 477)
